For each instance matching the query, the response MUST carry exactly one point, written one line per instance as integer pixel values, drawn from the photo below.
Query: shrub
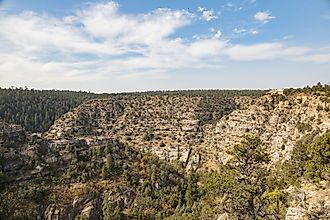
(303, 127)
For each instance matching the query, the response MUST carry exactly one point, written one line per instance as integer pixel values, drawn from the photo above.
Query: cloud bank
(99, 42)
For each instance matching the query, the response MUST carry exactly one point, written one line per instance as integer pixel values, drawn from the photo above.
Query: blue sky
(129, 45)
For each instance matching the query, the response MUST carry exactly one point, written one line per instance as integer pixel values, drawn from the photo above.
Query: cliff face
(279, 120)
(170, 126)
(197, 130)
(175, 127)
(15, 151)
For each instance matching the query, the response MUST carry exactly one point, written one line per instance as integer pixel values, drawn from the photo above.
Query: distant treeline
(36, 110)
(316, 90)
(206, 92)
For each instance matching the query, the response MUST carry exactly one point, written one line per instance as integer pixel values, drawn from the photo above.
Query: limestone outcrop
(171, 126)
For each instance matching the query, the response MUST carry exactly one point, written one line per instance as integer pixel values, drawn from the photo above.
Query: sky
(130, 45)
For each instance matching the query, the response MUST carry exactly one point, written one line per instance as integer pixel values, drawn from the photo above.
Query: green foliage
(212, 108)
(155, 187)
(4, 180)
(37, 110)
(317, 89)
(37, 193)
(2, 150)
(111, 210)
(201, 93)
(148, 136)
(303, 127)
(310, 159)
(245, 187)
(144, 187)
(317, 166)
(292, 170)
(192, 193)
(128, 184)
(22, 202)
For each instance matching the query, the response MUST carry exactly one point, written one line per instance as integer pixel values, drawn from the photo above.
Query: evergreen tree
(318, 163)
(244, 186)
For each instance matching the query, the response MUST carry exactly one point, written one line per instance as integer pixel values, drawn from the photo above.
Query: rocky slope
(119, 132)
(170, 126)
(278, 119)
(308, 201)
(17, 152)
(178, 127)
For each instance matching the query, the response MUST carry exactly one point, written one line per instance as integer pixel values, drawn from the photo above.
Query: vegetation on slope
(317, 89)
(37, 110)
(138, 186)
(212, 108)
(143, 187)
(245, 187)
(124, 183)
(202, 93)
(310, 159)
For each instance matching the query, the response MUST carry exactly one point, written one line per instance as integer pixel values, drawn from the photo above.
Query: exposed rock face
(87, 206)
(296, 214)
(196, 130)
(11, 135)
(15, 151)
(279, 120)
(224, 216)
(83, 208)
(310, 202)
(171, 126)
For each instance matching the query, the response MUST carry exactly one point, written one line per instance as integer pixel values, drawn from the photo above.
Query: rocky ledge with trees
(168, 155)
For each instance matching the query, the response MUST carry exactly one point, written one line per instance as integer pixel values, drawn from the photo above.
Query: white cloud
(200, 9)
(243, 31)
(239, 30)
(114, 44)
(264, 51)
(218, 34)
(234, 7)
(207, 15)
(98, 42)
(17, 68)
(317, 58)
(206, 48)
(288, 37)
(263, 17)
(34, 33)
(254, 32)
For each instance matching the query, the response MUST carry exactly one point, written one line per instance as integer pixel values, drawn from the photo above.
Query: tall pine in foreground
(246, 188)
